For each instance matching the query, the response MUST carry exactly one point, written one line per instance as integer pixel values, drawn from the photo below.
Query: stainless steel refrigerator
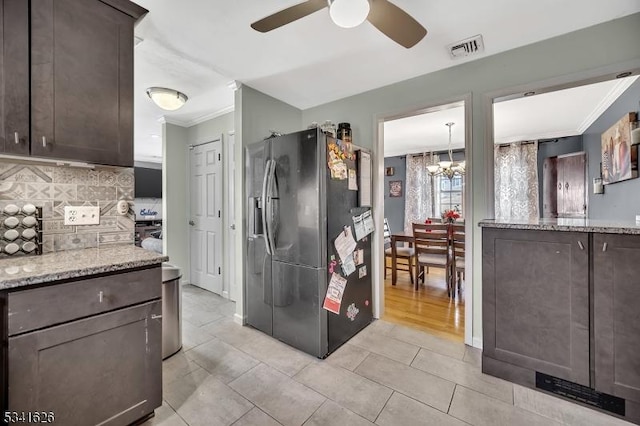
(295, 210)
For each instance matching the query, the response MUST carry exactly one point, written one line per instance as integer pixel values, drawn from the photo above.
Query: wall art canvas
(619, 157)
(395, 188)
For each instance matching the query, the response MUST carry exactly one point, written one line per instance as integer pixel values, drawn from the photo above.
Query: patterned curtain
(419, 197)
(516, 181)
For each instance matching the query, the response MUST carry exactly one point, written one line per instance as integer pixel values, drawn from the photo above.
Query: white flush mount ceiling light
(167, 99)
(348, 13)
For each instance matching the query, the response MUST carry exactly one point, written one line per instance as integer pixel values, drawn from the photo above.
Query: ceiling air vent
(467, 47)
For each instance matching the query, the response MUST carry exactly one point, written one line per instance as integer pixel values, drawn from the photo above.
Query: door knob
(233, 226)
(192, 223)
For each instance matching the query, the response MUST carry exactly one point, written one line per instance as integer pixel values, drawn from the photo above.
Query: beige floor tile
(425, 340)
(275, 393)
(199, 315)
(193, 336)
(563, 411)
(210, 403)
(180, 390)
(348, 356)
(402, 410)
(352, 391)
(473, 356)
(221, 360)
(276, 354)
(231, 332)
(256, 417)
(331, 413)
(177, 366)
(410, 381)
(463, 373)
(386, 346)
(165, 416)
(478, 409)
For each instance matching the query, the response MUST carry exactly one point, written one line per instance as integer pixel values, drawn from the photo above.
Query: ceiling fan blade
(395, 23)
(288, 15)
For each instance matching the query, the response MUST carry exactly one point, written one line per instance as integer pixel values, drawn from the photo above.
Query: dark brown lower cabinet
(97, 370)
(535, 290)
(616, 315)
(566, 304)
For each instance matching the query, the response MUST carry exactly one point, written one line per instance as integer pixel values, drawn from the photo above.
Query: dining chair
(457, 253)
(403, 255)
(432, 250)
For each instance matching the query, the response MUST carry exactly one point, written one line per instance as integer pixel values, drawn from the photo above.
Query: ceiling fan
(394, 22)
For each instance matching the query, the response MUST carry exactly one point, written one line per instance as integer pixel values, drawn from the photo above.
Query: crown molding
(210, 116)
(537, 136)
(616, 91)
(168, 120)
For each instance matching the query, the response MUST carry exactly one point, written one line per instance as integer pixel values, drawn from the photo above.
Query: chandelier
(448, 168)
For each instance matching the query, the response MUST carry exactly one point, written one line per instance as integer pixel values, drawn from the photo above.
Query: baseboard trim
(477, 342)
(239, 319)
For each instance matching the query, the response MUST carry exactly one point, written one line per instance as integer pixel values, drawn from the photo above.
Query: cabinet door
(535, 301)
(81, 81)
(616, 303)
(14, 77)
(105, 369)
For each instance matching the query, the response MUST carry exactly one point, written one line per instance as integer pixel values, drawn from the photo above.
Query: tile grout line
(451, 400)
(384, 406)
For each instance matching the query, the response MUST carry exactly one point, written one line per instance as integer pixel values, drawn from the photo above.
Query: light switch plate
(81, 215)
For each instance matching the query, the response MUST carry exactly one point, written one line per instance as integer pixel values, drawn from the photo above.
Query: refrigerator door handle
(265, 229)
(269, 207)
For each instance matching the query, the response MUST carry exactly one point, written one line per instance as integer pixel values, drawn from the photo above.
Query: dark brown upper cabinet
(14, 77)
(80, 103)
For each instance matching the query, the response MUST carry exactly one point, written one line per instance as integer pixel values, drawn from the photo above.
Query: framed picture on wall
(389, 171)
(395, 188)
(619, 157)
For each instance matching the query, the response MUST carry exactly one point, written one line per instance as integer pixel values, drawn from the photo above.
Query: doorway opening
(554, 148)
(427, 280)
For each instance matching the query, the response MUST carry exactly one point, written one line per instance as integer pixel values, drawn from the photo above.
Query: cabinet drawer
(56, 304)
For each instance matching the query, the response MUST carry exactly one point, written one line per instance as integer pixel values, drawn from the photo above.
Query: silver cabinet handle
(604, 246)
(580, 245)
(154, 316)
(44, 141)
(16, 137)
(100, 296)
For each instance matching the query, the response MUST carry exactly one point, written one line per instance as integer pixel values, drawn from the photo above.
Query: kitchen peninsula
(560, 302)
(81, 334)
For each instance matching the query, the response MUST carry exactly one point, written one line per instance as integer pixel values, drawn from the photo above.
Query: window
(449, 194)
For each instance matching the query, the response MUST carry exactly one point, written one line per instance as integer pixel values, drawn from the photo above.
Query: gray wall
(620, 201)
(552, 148)
(211, 129)
(394, 206)
(175, 229)
(560, 59)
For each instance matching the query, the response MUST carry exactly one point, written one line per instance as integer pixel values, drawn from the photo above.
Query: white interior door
(206, 216)
(230, 248)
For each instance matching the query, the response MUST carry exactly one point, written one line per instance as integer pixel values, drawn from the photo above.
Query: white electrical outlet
(81, 215)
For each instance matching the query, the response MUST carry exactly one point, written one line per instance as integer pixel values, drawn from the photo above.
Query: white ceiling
(198, 46)
(556, 114)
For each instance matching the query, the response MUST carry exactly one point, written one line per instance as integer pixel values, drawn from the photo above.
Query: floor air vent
(580, 393)
(467, 47)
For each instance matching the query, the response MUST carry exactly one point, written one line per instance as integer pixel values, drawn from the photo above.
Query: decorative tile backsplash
(53, 187)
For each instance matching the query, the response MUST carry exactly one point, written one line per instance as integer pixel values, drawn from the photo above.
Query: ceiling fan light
(348, 13)
(167, 99)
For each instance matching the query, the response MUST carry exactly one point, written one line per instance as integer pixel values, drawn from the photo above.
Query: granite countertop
(29, 270)
(565, 224)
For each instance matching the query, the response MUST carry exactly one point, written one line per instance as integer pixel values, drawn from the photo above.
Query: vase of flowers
(450, 216)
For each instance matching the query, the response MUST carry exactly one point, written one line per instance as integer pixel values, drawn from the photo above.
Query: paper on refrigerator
(345, 244)
(335, 291)
(363, 224)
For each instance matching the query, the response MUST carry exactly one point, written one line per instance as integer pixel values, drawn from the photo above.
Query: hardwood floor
(429, 309)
